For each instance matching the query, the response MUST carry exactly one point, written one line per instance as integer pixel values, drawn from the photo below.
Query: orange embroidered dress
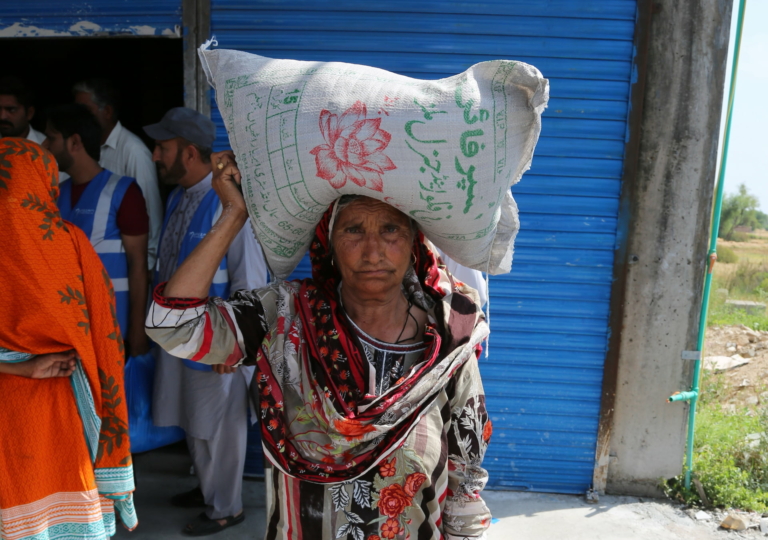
(65, 461)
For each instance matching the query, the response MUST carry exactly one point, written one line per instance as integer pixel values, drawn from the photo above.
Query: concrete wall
(668, 216)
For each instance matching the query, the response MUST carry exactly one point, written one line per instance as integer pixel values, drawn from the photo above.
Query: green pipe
(682, 396)
(693, 395)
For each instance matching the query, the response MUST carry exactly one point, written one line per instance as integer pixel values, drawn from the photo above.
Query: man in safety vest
(209, 402)
(110, 209)
(122, 151)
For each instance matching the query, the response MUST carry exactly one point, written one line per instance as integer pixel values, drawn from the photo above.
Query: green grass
(732, 473)
(722, 314)
(726, 255)
(746, 283)
(740, 237)
(745, 279)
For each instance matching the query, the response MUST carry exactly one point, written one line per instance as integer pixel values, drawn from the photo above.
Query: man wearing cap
(209, 402)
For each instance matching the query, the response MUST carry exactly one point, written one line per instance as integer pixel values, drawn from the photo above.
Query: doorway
(149, 72)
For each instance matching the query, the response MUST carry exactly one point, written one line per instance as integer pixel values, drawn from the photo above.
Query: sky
(748, 149)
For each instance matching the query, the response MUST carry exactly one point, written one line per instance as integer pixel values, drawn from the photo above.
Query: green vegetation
(737, 236)
(731, 467)
(747, 280)
(722, 314)
(762, 219)
(739, 210)
(726, 255)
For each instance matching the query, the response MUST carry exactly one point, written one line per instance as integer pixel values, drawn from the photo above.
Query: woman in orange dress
(66, 464)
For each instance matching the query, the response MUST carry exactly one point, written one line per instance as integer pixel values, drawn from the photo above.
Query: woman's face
(372, 244)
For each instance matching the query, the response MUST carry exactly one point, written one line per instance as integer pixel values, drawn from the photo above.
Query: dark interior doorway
(148, 71)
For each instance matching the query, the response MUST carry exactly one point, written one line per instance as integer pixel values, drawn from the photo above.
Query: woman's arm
(182, 320)
(210, 331)
(193, 278)
(42, 366)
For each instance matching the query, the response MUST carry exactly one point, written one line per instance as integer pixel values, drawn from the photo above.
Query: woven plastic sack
(444, 152)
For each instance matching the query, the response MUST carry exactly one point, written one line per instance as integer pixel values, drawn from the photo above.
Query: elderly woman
(371, 406)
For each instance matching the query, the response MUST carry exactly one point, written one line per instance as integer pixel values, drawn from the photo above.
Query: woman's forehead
(367, 208)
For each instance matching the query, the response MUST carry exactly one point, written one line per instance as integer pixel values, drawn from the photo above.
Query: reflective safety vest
(203, 219)
(96, 214)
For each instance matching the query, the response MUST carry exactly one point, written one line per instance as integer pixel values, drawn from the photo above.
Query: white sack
(444, 152)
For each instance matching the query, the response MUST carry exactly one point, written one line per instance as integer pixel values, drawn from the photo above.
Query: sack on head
(444, 152)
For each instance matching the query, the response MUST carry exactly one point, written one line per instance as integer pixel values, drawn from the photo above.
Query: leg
(219, 461)
(200, 452)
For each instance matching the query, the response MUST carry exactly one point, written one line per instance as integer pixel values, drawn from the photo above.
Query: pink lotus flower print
(353, 150)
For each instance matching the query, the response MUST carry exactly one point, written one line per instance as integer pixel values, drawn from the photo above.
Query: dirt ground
(747, 385)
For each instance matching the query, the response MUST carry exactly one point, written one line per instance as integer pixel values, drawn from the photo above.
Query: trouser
(219, 461)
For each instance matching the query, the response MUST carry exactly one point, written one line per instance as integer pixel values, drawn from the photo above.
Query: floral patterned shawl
(317, 422)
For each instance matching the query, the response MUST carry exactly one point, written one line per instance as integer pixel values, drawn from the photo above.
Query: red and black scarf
(334, 357)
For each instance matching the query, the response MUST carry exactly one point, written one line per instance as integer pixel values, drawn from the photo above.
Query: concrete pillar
(666, 211)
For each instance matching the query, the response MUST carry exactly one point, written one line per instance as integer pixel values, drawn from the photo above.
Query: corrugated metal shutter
(56, 18)
(549, 317)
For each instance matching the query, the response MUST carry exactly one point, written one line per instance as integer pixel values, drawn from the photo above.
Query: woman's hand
(43, 366)
(194, 277)
(226, 180)
(222, 369)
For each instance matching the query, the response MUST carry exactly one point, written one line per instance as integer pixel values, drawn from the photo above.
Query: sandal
(205, 526)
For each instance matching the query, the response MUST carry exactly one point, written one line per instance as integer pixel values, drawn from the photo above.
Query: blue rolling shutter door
(53, 18)
(549, 317)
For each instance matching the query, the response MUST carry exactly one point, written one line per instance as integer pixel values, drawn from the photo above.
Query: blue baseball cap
(185, 123)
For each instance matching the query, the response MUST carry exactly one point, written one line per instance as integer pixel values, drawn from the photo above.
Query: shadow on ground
(162, 473)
